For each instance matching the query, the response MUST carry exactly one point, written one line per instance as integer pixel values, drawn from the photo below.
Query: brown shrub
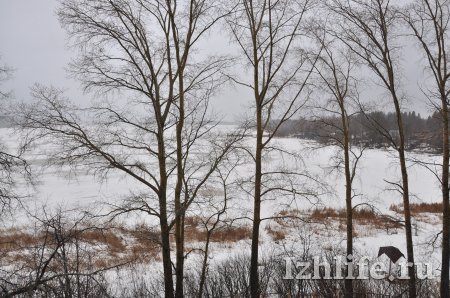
(194, 234)
(289, 213)
(288, 217)
(231, 234)
(223, 234)
(144, 246)
(367, 216)
(277, 235)
(417, 208)
(192, 221)
(13, 239)
(144, 234)
(326, 213)
(361, 216)
(144, 253)
(109, 238)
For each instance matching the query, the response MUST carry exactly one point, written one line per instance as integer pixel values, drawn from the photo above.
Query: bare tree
(367, 27)
(269, 34)
(161, 136)
(55, 259)
(12, 165)
(213, 214)
(335, 69)
(428, 21)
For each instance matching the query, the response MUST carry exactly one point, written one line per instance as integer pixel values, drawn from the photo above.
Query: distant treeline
(372, 130)
(6, 121)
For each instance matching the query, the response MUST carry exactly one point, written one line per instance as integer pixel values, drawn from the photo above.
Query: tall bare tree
(143, 51)
(429, 23)
(335, 69)
(368, 28)
(269, 34)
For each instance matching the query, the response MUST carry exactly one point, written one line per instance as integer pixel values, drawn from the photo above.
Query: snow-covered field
(61, 188)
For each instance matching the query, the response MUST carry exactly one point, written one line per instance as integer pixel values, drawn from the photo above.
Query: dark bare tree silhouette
(428, 21)
(269, 35)
(368, 28)
(161, 135)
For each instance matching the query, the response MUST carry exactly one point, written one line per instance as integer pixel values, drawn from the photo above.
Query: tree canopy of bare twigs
(271, 38)
(335, 71)
(157, 129)
(428, 21)
(368, 28)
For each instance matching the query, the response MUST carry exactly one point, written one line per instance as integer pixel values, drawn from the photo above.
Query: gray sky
(33, 43)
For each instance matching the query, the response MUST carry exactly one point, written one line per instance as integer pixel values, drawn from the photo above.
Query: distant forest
(372, 130)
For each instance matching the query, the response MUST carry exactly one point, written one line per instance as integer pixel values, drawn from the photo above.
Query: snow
(62, 188)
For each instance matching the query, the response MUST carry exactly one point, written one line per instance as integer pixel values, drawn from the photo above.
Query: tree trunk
(179, 212)
(405, 183)
(167, 263)
(204, 266)
(179, 271)
(255, 290)
(406, 207)
(165, 231)
(445, 204)
(348, 200)
(408, 229)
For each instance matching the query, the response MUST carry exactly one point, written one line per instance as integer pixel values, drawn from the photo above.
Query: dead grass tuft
(193, 221)
(109, 238)
(277, 235)
(361, 216)
(326, 213)
(14, 239)
(196, 232)
(417, 208)
(231, 234)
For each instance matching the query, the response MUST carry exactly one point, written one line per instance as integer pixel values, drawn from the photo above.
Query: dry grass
(289, 213)
(109, 238)
(196, 232)
(193, 221)
(113, 245)
(231, 234)
(326, 213)
(277, 235)
(14, 239)
(106, 247)
(289, 217)
(417, 208)
(361, 216)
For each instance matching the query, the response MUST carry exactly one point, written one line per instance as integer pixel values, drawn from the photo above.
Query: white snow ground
(56, 188)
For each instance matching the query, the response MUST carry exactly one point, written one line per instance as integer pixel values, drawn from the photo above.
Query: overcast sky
(33, 43)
